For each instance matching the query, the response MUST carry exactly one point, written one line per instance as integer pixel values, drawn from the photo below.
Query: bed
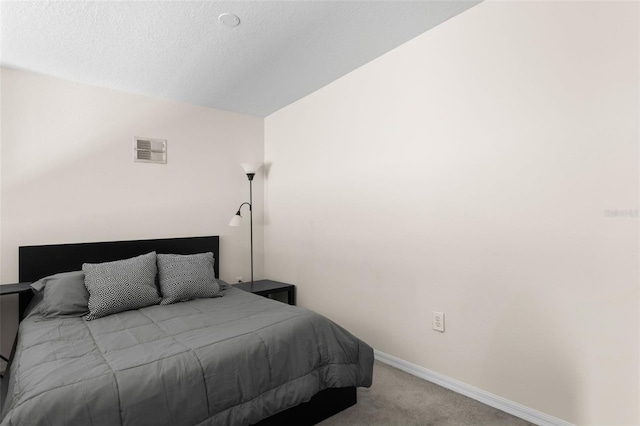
(233, 358)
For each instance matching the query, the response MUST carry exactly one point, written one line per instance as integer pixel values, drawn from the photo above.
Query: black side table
(23, 290)
(267, 287)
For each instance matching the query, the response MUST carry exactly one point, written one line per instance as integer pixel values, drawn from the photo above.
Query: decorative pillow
(63, 295)
(186, 277)
(121, 285)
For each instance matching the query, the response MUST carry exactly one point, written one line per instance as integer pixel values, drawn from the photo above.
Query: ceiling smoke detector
(229, 19)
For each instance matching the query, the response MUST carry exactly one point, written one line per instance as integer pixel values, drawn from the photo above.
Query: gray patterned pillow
(186, 277)
(121, 285)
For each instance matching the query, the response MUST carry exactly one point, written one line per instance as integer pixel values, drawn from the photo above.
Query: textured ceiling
(280, 52)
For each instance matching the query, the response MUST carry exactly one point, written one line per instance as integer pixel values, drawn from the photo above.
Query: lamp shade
(251, 167)
(236, 220)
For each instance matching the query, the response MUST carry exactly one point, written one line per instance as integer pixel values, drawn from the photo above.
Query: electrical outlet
(238, 279)
(438, 321)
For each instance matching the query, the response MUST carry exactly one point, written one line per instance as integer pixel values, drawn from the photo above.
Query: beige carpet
(398, 398)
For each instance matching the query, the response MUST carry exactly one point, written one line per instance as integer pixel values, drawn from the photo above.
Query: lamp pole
(250, 169)
(250, 177)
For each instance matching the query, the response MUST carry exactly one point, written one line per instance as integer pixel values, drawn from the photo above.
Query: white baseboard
(495, 401)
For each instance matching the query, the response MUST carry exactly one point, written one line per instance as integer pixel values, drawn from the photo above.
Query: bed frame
(36, 262)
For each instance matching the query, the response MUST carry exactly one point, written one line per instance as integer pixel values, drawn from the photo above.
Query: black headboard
(36, 262)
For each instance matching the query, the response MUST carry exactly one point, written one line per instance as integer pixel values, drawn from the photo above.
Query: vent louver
(147, 150)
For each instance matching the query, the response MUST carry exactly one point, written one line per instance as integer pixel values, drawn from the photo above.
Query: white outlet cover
(438, 321)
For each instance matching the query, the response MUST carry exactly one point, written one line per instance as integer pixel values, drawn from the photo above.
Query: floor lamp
(250, 169)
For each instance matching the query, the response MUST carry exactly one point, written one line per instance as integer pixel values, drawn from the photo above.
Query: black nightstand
(23, 290)
(267, 287)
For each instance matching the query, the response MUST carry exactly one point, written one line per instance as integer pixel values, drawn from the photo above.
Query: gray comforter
(229, 360)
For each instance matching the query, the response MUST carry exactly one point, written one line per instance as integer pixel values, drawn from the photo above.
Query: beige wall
(468, 171)
(68, 173)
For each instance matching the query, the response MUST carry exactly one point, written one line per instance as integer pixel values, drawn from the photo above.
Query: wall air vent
(147, 150)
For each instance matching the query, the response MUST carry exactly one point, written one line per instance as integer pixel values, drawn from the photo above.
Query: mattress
(235, 360)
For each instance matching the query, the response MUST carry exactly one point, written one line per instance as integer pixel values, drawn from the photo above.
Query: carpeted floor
(398, 398)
